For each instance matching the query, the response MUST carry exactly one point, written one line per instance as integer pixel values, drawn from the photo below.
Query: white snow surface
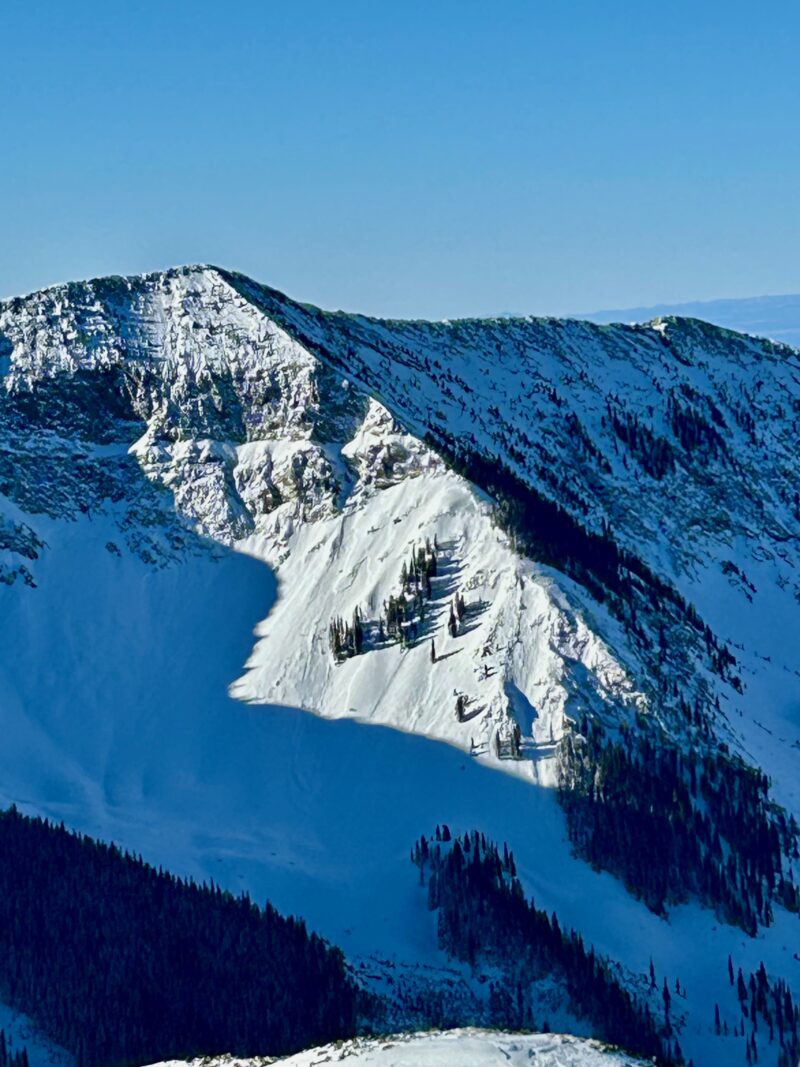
(452, 1048)
(521, 650)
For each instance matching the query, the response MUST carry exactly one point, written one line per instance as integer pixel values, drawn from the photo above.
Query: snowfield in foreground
(454, 1048)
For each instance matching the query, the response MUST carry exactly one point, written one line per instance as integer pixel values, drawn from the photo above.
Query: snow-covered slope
(454, 1048)
(674, 442)
(265, 446)
(188, 457)
(522, 655)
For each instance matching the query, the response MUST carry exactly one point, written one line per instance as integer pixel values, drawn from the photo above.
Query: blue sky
(413, 159)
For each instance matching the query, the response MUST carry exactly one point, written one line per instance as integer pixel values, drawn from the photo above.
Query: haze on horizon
(431, 161)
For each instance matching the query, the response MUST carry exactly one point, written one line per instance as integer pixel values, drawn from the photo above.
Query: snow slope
(197, 474)
(523, 652)
(125, 731)
(454, 1048)
(577, 413)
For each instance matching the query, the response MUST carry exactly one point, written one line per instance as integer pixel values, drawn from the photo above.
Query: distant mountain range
(776, 317)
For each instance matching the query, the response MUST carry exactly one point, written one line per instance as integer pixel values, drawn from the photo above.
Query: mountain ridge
(644, 315)
(776, 316)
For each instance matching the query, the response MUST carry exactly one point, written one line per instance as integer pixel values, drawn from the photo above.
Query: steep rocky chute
(613, 511)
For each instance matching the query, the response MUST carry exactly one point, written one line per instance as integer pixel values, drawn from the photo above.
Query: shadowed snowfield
(115, 680)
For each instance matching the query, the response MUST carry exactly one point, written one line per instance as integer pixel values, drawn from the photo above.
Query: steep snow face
(521, 654)
(674, 442)
(453, 1048)
(260, 443)
(653, 429)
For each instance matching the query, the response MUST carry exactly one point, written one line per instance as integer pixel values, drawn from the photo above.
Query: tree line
(544, 530)
(10, 1056)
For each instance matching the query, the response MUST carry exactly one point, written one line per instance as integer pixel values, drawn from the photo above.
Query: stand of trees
(697, 431)
(9, 1056)
(674, 825)
(510, 746)
(346, 639)
(483, 916)
(654, 454)
(403, 615)
(122, 964)
(695, 422)
(768, 1017)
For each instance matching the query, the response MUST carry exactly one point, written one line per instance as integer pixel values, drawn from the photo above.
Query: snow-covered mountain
(777, 317)
(454, 1048)
(555, 562)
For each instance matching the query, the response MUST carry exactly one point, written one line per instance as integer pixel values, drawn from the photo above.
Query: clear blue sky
(407, 158)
